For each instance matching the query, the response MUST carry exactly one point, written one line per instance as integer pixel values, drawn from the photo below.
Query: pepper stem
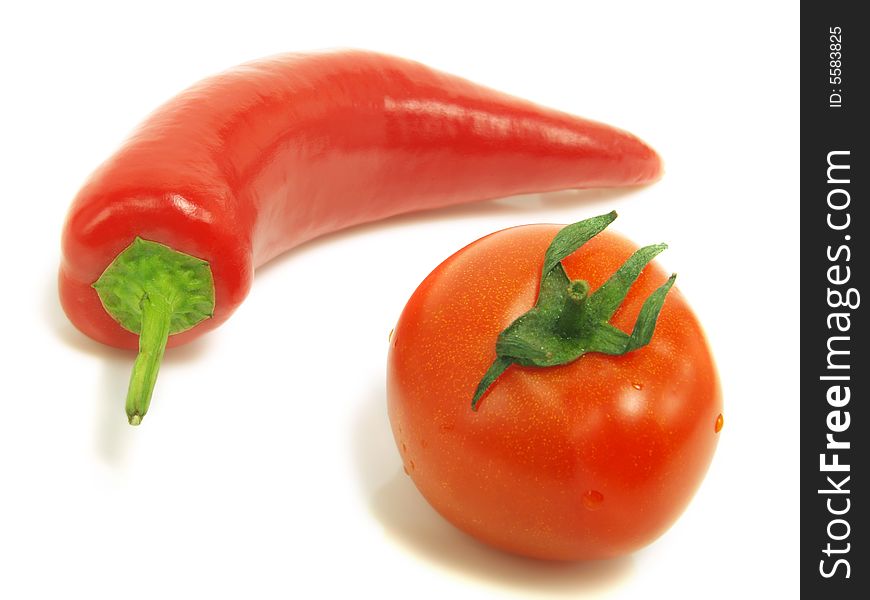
(156, 318)
(154, 291)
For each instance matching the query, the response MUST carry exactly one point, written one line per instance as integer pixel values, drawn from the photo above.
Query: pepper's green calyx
(154, 291)
(567, 321)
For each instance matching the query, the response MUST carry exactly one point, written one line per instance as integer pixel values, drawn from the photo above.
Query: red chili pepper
(249, 163)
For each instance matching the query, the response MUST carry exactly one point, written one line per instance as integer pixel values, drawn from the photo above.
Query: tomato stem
(567, 321)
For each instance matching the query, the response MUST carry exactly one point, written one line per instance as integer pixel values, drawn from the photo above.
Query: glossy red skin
(522, 473)
(247, 164)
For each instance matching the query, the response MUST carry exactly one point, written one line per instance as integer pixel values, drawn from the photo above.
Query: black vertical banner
(834, 369)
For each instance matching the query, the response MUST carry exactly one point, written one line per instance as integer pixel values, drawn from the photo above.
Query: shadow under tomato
(410, 521)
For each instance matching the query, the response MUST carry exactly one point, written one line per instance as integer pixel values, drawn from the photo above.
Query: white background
(266, 470)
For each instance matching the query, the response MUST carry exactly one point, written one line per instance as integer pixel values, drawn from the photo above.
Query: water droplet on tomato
(404, 448)
(411, 464)
(720, 422)
(390, 336)
(637, 386)
(445, 427)
(593, 499)
(424, 444)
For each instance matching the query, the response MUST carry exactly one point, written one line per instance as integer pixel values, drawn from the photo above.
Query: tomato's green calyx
(154, 291)
(567, 320)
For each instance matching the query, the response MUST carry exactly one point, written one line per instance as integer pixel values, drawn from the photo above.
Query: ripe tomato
(591, 459)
